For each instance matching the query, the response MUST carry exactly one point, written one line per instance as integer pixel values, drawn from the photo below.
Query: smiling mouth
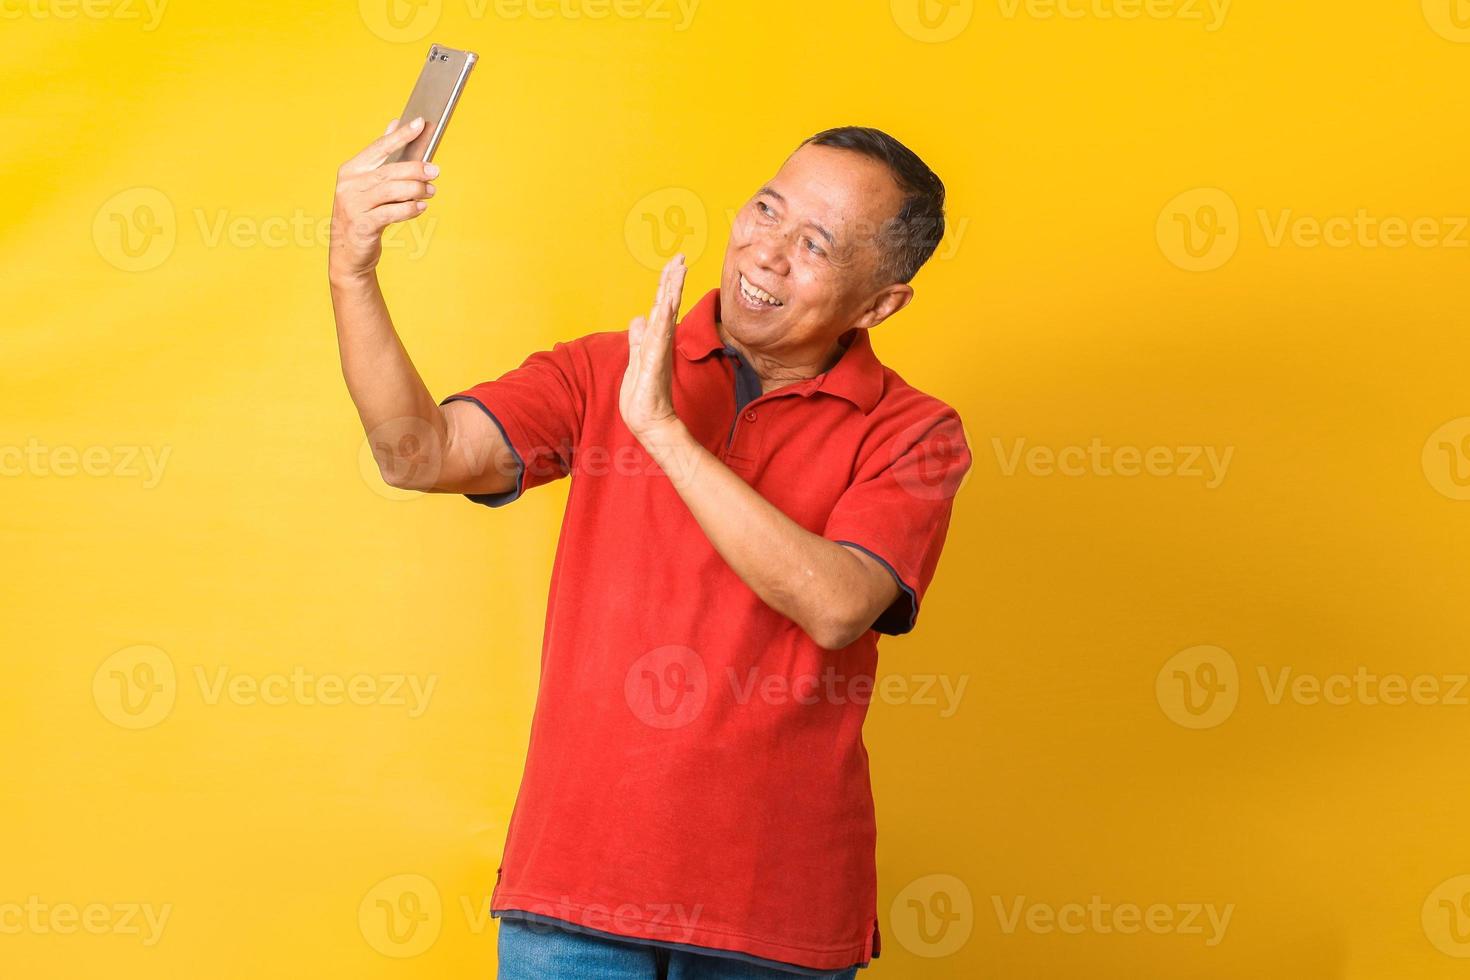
(757, 295)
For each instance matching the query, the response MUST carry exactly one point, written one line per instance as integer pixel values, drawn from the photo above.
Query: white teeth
(756, 293)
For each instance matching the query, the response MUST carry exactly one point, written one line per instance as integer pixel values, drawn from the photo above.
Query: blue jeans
(534, 951)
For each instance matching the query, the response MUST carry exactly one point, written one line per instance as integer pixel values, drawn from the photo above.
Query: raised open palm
(646, 399)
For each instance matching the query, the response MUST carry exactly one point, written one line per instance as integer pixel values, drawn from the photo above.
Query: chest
(796, 446)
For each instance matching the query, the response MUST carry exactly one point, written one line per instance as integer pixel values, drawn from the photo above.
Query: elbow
(411, 451)
(836, 632)
(398, 479)
(405, 471)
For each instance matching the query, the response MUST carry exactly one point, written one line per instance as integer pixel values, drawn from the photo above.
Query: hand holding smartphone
(389, 180)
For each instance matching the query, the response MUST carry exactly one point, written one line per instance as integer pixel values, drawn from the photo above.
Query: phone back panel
(434, 95)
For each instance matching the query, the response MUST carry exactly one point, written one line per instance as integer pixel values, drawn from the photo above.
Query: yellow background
(1064, 307)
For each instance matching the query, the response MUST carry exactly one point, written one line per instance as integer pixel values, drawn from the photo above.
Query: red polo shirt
(696, 772)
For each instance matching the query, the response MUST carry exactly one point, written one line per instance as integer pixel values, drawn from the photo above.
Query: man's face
(811, 239)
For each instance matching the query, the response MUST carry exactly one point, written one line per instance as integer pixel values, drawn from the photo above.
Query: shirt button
(750, 415)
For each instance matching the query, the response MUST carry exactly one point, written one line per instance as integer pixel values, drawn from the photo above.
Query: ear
(886, 302)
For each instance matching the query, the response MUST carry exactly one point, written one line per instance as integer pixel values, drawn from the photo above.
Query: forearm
(416, 444)
(807, 578)
(380, 377)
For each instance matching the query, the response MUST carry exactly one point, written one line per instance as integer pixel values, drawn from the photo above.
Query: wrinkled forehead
(850, 193)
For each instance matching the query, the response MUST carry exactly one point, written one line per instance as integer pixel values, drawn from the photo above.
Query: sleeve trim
(495, 499)
(887, 621)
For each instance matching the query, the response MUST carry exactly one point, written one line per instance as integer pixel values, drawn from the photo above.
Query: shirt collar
(857, 376)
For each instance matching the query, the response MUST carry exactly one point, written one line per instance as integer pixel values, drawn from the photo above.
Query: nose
(769, 247)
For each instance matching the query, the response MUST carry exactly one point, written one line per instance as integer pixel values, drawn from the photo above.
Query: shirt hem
(829, 958)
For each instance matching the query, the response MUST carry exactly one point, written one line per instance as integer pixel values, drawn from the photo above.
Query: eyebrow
(768, 189)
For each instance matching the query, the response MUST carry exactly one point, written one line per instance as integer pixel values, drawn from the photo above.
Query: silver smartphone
(434, 96)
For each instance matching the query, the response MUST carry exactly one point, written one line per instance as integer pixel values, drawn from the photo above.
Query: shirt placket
(737, 454)
(741, 451)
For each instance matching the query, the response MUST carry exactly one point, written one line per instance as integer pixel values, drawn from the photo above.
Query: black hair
(908, 239)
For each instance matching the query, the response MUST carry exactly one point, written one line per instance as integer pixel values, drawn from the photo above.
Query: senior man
(754, 498)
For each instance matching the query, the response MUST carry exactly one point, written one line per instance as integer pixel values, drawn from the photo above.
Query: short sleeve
(898, 509)
(539, 408)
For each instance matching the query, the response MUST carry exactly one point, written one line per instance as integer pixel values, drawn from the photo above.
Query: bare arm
(834, 593)
(418, 444)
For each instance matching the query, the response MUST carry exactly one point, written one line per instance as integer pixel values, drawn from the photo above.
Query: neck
(779, 371)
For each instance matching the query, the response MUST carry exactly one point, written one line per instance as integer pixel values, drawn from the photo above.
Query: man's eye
(812, 247)
(762, 208)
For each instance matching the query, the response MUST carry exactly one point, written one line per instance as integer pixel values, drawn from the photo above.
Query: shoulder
(599, 345)
(909, 428)
(584, 359)
(904, 409)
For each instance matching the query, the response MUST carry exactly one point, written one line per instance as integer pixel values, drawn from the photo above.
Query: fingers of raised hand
(407, 170)
(658, 295)
(405, 180)
(379, 149)
(676, 285)
(390, 191)
(670, 288)
(384, 215)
